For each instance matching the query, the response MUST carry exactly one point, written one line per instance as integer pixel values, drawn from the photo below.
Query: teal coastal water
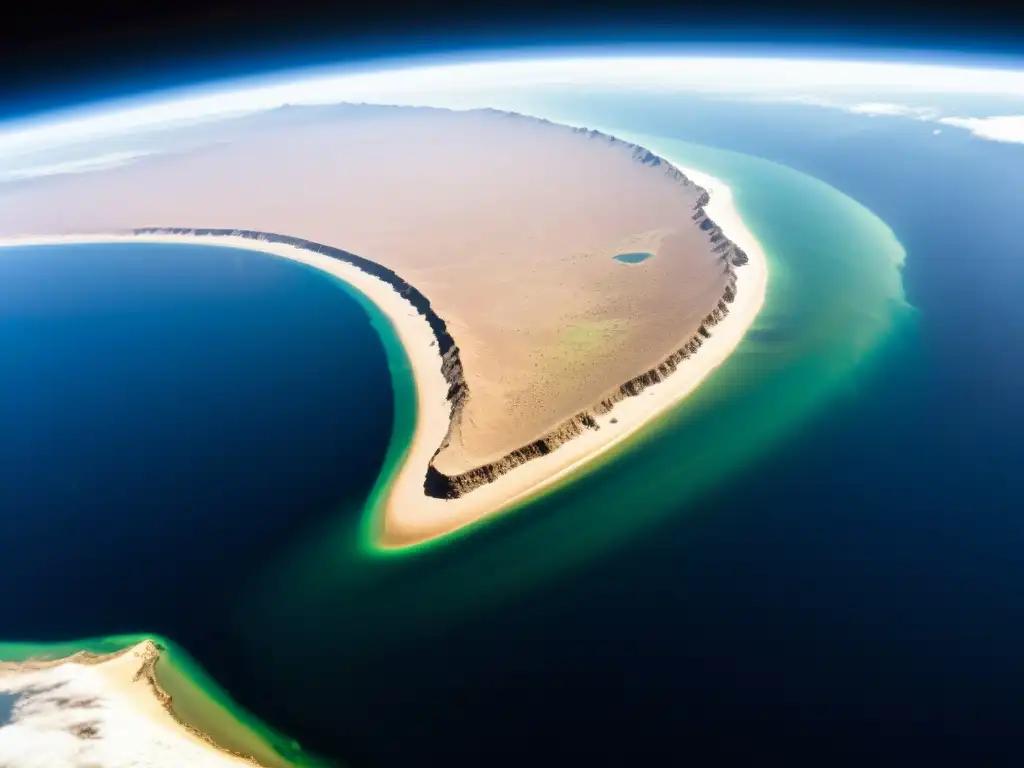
(632, 258)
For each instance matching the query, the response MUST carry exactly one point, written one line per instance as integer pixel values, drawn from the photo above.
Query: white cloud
(1005, 128)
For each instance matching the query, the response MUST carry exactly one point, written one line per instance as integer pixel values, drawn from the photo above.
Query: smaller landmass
(90, 710)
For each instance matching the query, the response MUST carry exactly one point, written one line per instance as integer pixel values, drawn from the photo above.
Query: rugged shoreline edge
(439, 485)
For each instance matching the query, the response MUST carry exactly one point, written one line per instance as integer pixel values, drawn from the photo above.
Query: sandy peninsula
(488, 240)
(99, 710)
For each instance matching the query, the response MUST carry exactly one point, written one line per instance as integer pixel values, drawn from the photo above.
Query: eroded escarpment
(730, 255)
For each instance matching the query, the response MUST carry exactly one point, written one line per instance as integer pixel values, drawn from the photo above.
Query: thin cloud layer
(1003, 128)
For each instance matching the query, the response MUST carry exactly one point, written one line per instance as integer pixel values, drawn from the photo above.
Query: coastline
(409, 518)
(107, 706)
(408, 515)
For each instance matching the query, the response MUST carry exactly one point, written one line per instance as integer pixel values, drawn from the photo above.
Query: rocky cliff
(436, 483)
(440, 485)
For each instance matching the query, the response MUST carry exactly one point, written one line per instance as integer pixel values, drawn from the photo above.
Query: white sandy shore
(71, 714)
(409, 517)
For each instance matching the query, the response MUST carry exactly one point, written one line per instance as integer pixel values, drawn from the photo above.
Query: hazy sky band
(419, 84)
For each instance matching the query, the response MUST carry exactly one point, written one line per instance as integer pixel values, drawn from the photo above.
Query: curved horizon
(409, 80)
(821, 42)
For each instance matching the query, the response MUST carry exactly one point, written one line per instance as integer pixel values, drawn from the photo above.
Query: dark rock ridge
(730, 255)
(440, 485)
(445, 342)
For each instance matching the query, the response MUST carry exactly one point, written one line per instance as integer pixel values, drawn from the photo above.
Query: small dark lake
(632, 258)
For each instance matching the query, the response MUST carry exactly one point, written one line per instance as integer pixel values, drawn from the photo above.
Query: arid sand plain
(102, 710)
(497, 234)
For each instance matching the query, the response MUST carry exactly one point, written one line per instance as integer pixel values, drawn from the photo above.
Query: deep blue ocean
(171, 418)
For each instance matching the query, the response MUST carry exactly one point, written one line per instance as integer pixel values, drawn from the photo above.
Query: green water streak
(834, 300)
(196, 698)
